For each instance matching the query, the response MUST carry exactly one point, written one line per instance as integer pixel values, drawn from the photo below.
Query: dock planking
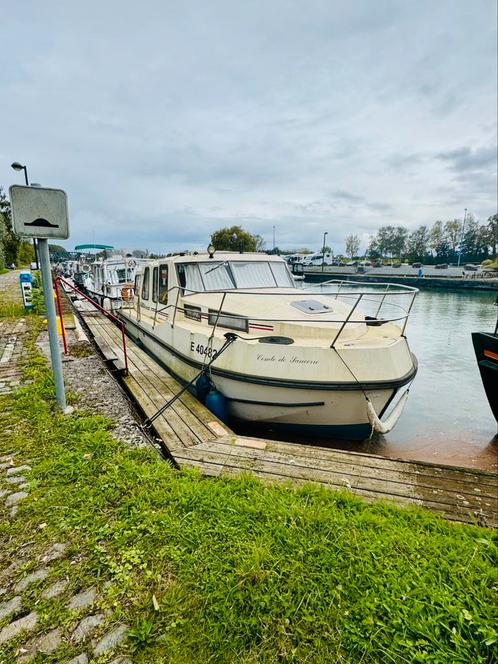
(195, 438)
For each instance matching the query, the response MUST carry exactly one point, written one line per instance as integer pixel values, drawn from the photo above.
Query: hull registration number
(205, 351)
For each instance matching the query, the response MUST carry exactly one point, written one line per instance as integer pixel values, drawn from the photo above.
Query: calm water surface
(447, 418)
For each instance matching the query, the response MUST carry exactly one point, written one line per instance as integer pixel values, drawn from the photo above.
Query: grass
(234, 570)
(11, 309)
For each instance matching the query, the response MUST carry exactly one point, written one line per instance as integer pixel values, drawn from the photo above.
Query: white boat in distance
(111, 281)
(326, 363)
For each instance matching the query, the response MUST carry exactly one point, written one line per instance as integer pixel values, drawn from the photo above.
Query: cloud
(468, 159)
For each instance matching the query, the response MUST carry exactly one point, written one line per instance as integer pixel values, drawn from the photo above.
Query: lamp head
(17, 166)
(211, 250)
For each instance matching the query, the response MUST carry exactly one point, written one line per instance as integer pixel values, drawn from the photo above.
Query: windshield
(228, 275)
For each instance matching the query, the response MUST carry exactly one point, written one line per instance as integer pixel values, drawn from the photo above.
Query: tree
(25, 253)
(438, 242)
(10, 241)
(398, 242)
(373, 250)
(3, 231)
(233, 238)
(493, 234)
(56, 249)
(260, 242)
(418, 244)
(452, 233)
(352, 245)
(470, 244)
(140, 253)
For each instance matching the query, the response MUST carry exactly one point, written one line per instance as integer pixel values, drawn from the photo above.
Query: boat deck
(195, 438)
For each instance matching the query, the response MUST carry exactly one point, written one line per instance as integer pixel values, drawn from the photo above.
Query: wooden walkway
(194, 437)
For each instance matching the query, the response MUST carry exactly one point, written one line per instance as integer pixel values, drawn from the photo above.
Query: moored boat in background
(486, 350)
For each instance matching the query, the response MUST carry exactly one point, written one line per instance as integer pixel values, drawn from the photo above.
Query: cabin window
(282, 277)
(216, 276)
(194, 313)
(155, 284)
(189, 277)
(163, 284)
(121, 274)
(137, 283)
(145, 284)
(252, 275)
(227, 275)
(229, 321)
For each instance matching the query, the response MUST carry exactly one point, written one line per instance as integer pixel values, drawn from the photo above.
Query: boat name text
(283, 358)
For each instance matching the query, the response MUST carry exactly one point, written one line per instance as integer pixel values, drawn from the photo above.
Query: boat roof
(202, 257)
(79, 247)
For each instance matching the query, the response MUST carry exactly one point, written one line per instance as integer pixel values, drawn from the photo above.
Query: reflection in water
(447, 418)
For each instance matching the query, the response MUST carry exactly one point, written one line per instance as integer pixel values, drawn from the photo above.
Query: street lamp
(19, 167)
(323, 249)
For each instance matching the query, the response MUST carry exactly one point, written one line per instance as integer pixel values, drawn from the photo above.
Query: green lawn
(234, 570)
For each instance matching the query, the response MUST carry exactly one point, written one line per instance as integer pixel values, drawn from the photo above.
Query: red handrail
(108, 313)
(59, 311)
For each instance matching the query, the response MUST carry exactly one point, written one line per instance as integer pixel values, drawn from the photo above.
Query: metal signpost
(42, 213)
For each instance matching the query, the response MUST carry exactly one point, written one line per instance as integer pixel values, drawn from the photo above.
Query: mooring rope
(230, 338)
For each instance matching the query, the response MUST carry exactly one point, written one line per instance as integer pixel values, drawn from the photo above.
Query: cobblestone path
(36, 584)
(11, 335)
(44, 580)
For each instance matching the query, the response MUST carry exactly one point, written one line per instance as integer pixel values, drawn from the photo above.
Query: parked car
(416, 264)
(352, 264)
(471, 268)
(441, 266)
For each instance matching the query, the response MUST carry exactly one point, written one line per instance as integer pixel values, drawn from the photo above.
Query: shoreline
(456, 283)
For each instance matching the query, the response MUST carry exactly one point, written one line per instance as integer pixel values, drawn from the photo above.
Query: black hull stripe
(275, 403)
(280, 382)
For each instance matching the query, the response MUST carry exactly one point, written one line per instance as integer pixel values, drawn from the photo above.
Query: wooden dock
(194, 437)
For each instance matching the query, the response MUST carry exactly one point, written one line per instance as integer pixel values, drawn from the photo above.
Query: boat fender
(202, 387)
(217, 404)
(389, 423)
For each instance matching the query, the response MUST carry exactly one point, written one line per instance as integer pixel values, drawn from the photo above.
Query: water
(447, 418)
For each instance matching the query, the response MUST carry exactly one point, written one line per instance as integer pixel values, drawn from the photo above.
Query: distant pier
(449, 279)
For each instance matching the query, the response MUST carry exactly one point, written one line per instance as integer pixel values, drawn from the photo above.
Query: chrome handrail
(389, 290)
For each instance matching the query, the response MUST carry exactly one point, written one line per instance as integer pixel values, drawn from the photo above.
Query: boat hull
(486, 350)
(326, 409)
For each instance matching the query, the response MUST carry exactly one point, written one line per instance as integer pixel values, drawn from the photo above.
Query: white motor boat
(327, 362)
(111, 281)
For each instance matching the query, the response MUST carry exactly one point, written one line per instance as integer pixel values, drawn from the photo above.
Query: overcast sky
(166, 120)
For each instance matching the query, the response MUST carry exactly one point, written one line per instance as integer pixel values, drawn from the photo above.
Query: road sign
(39, 212)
